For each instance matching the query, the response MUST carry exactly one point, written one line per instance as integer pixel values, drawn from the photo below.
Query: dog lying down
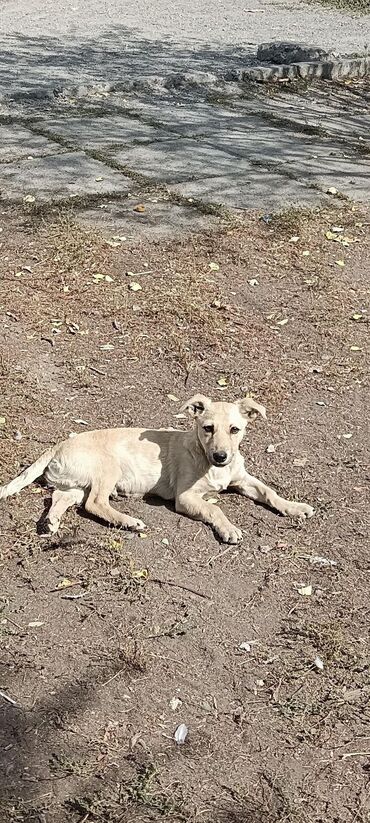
(184, 466)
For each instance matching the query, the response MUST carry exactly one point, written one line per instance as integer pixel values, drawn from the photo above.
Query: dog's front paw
(135, 525)
(52, 524)
(231, 535)
(300, 510)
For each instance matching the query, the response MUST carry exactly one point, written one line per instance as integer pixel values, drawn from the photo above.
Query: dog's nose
(219, 457)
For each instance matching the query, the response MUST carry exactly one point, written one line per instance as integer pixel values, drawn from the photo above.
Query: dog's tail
(28, 475)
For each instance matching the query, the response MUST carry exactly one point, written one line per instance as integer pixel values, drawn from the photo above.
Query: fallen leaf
(181, 734)
(29, 199)
(253, 282)
(305, 254)
(175, 703)
(135, 286)
(317, 560)
(212, 500)
(283, 322)
(300, 462)
(140, 574)
(340, 263)
(294, 239)
(347, 436)
(108, 278)
(165, 541)
(181, 416)
(2, 421)
(216, 303)
(305, 591)
(265, 549)
(357, 316)
(98, 179)
(222, 381)
(318, 663)
(35, 623)
(320, 403)
(65, 583)
(139, 208)
(143, 535)
(112, 243)
(214, 267)
(245, 647)
(355, 348)
(330, 235)
(106, 347)
(119, 237)
(337, 229)
(332, 190)
(173, 398)
(270, 449)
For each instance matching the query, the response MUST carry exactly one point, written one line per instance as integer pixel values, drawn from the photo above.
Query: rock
(285, 53)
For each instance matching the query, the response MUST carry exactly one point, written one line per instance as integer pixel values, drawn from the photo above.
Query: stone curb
(336, 69)
(340, 69)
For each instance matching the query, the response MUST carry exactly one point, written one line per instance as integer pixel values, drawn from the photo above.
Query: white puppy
(175, 465)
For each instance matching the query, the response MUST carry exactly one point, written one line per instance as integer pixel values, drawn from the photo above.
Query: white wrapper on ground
(181, 733)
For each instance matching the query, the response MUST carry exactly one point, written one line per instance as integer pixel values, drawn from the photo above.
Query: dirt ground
(102, 636)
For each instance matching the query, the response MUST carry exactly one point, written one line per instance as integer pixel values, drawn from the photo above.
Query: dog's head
(221, 426)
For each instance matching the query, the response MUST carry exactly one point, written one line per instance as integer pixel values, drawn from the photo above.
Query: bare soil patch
(93, 667)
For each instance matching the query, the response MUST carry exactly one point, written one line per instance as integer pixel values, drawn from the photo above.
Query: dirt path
(96, 652)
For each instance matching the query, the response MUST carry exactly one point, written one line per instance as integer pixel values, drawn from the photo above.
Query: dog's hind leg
(98, 503)
(60, 502)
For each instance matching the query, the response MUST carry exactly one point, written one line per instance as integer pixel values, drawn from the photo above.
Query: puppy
(175, 465)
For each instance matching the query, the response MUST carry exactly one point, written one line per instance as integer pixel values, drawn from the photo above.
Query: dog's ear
(249, 408)
(196, 405)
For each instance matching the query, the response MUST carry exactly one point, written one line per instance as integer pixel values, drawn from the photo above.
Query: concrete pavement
(85, 116)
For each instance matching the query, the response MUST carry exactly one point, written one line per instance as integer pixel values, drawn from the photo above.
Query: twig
(10, 620)
(221, 554)
(355, 754)
(178, 586)
(98, 371)
(8, 699)
(113, 677)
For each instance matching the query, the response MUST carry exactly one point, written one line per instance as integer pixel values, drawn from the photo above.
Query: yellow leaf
(173, 398)
(221, 381)
(357, 316)
(2, 421)
(140, 574)
(214, 267)
(305, 591)
(283, 322)
(108, 279)
(340, 263)
(135, 286)
(65, 583)
(355, 348)
(305, 254)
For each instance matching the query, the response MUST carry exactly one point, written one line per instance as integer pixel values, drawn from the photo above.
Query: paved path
(65, 135)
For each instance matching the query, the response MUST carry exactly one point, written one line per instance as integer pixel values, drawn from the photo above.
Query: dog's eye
(208, 429)
(234, 430)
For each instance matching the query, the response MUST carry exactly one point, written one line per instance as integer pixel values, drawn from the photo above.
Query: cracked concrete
(68, 130)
